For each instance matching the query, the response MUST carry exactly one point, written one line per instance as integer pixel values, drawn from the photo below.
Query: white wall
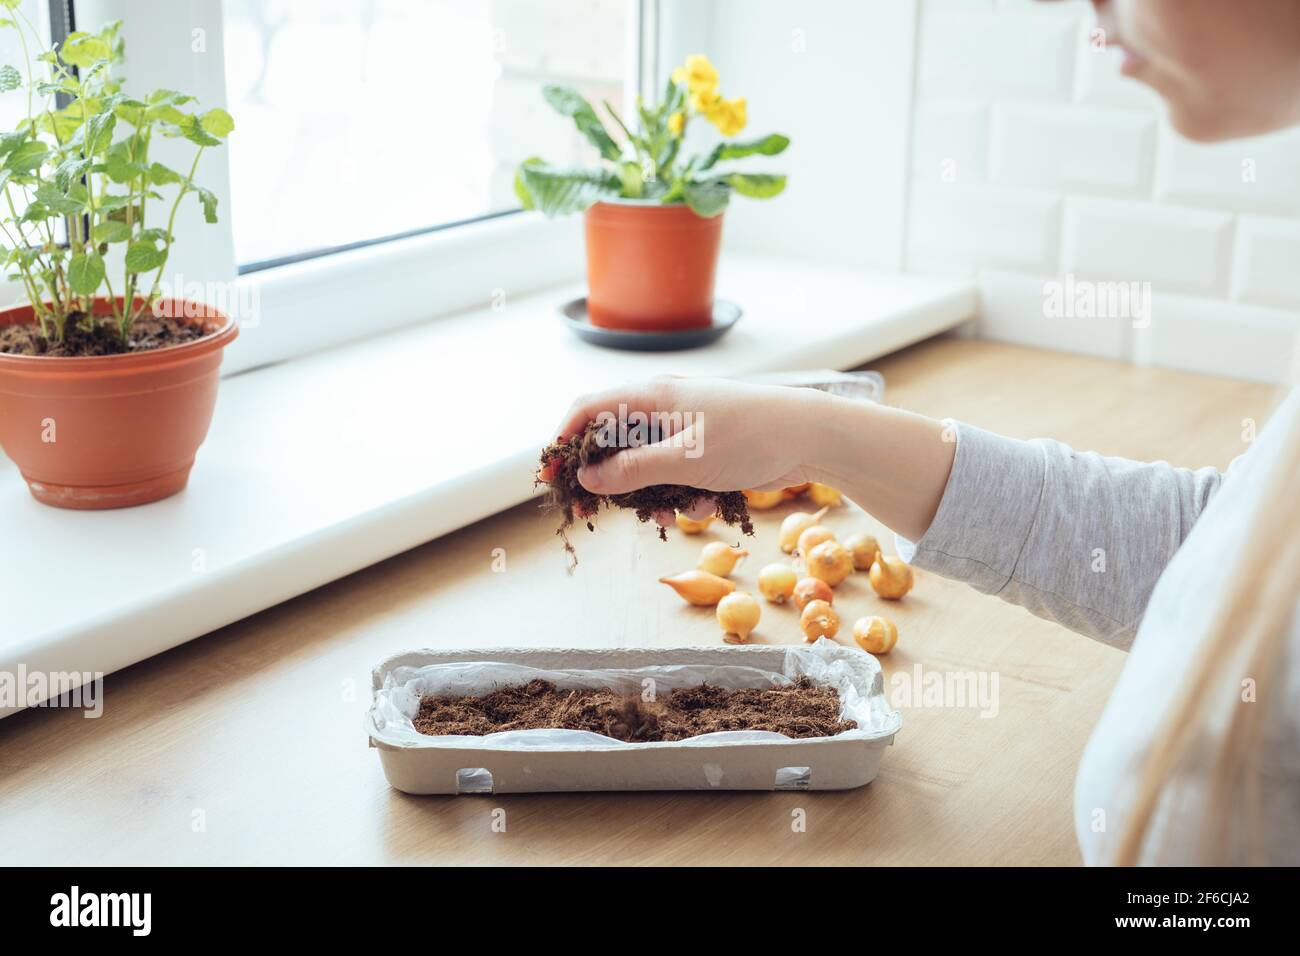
(835, 76)
(1033, 158)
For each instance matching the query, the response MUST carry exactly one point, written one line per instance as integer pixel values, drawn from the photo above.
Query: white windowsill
(324, 465)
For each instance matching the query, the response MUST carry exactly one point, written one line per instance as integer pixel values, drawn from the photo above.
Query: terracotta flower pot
(111, 431)
(650, 266)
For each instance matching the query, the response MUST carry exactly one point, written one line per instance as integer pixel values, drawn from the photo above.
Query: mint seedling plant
(78, 181)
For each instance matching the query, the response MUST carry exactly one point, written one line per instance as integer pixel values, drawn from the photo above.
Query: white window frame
(326, 300)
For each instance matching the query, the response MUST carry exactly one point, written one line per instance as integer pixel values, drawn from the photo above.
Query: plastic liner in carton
(538, 760)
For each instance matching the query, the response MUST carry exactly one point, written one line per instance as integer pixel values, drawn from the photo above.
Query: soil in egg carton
(799, 709)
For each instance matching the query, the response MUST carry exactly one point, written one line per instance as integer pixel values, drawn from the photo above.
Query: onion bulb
(864, 549)
(825, 495)
(811, 589)
(818, 619)
(812, 537)
(738, 614)
(795, 524)
(762, 500)
(875, 635)
(776, 583)
(830, 562)
(718, 557)
(699, 587)
(891, 577)
(691, 526)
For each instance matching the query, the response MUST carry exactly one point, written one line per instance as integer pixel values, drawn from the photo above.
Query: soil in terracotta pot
(99, 338)
(574, 502)
(800, 709)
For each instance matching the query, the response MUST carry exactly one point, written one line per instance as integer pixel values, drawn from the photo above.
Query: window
(32, 15)
(363, 120)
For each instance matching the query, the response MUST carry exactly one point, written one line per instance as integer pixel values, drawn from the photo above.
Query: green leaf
(756, 185)
(45, 88)
(166, 97)
(557, 192)
(84, 49)
(109, 201)
(209, 201)
(28, 157)
(769, 145)
(167, 114)
(633, 182)
(569, 102)
(69, 171)
(521, 190)
(191, 128)
(119, 165)
(707, 198)
(160, 175)
(110, 231)
(143, 256)
(217, 122)
(10, 78)
(62, 124)
(35, 212)
(130, 110)
(98, 131)
(85, 273)
(11, 141)
(53, 198)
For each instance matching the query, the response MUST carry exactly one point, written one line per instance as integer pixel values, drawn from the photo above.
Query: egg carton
(531, 761)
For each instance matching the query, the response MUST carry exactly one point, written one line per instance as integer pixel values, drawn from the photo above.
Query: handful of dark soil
(801, 709)
(574, 502)
(98, 336)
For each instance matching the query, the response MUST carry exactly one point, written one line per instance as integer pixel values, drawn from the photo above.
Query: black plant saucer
(725, 315)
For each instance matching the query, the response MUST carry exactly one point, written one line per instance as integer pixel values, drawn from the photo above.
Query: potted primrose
(106, 386)
(653, 218)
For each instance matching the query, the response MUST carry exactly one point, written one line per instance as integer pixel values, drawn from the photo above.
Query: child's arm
(1076, 538)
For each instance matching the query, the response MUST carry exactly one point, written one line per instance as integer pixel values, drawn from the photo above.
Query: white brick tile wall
(1187, 250)
(961, 229)
(1013, 308)
(1261, 173)
(1072, 150)
(1034, 161)
(1267, 262)
(1025, 53)
(950, 142)
(1219, 338)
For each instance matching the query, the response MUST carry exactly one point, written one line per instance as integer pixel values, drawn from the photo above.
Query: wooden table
(246, 746)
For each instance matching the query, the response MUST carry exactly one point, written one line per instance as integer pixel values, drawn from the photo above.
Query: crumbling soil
(801, 709)
(87, 337)
(574, 502)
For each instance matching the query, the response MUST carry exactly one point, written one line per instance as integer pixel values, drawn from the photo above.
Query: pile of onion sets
(819, 562)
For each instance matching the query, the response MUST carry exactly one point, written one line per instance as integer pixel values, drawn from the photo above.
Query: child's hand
(713, 434)
(729, 436)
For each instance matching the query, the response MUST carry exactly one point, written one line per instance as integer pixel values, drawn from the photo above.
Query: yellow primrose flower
(698, 74)
(705, 100)
(729, 116)
(676, 123)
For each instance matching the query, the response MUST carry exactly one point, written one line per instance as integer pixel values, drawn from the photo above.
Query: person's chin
(1199, 126)
(1206, 124)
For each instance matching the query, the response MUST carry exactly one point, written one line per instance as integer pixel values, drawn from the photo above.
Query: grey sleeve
(1074, 537)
